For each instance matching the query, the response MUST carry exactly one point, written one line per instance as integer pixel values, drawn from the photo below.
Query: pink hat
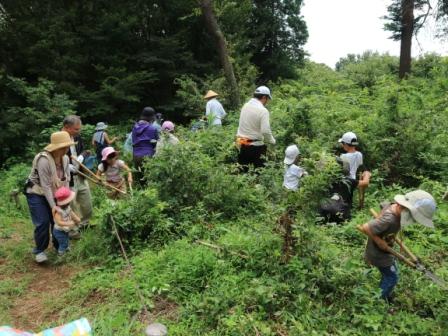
(168, 125)
(64, 195)
(106, 152)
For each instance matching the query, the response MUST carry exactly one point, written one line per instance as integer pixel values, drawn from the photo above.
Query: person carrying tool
(214, 112)
(254, 130)
(416, 206)
(82, 203)
(112, 167)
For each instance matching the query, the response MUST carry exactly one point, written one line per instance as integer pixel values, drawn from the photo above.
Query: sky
(339, 27)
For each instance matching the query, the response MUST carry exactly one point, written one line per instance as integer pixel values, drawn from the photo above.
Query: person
(349, 141)
(293, 173)
(167, 137)
(112, 167)
(254, 130)
(64, 219)
(337, 208)
(158, 122)
(144, 139)
(101, 139)
(415, 206)
(82, 203)
(50, 170)
(214, 112)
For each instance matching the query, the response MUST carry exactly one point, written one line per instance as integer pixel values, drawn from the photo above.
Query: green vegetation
(205, 243)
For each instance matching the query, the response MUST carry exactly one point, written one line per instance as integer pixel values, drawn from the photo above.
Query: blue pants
(62, 238)
(42, 219)
(389, 278)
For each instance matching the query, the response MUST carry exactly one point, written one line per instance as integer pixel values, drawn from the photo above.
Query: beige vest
(56, 181)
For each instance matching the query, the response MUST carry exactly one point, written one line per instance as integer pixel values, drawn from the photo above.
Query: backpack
(99, 146)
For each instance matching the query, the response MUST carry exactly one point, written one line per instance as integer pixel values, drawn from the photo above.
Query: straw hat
(421, 206)
(210, 94)
(59, 140)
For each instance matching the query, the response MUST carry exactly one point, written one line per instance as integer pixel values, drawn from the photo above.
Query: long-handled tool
(95, 179)
(102, 183)
(414, 262)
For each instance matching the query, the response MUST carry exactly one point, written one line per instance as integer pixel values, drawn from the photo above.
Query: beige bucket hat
(59, 140)
(421, 206)
(210, 94)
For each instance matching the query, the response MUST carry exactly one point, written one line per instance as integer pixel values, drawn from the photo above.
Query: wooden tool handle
(406, 250)
(85, 168)
(100, 182)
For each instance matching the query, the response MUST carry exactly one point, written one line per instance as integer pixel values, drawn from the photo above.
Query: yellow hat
(210, 94)
(59, 140)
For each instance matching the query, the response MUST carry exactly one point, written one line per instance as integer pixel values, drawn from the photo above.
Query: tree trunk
(215, 31)
(407, 29)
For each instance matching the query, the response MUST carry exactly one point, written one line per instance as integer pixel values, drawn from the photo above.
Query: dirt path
(33, 309)
(35, 288)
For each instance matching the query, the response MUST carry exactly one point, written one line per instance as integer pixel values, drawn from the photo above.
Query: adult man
(82, 204)
(254, 129)
(214, 111)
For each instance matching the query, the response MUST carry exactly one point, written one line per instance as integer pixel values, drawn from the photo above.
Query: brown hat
(210, 94)
(59, 140)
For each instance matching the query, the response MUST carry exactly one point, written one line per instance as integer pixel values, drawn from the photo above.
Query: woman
(101, 140)
(144, 139)
(50, 171)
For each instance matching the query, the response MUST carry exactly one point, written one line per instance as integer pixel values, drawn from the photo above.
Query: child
(416, 206)
(65, 219)
(167, 136)
(293, 173)
(349, 142)
(112, 167)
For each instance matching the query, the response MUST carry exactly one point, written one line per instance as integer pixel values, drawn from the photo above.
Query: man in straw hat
(50, 171)
(254, 129)
(214, 111)
(416, 206)
(82, 203)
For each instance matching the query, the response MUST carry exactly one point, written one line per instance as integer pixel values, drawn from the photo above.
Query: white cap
(291, 154)
(349, 138)
(264, 90)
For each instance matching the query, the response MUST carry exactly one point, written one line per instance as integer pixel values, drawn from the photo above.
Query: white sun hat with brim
(101, 126)
(291, 154)
(421, 206)
(349, 138)
(263, 90)
(59, 140)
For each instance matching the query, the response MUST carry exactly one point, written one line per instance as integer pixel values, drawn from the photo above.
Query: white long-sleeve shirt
(254, 123)
(215, 111)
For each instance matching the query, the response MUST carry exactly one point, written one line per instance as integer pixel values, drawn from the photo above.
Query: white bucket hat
(263, 90)
(291, 154)
(421, 206)
(349, 138)
(101, 126)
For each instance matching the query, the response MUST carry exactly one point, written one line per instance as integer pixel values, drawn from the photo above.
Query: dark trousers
(42, 219)
(251, 155)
